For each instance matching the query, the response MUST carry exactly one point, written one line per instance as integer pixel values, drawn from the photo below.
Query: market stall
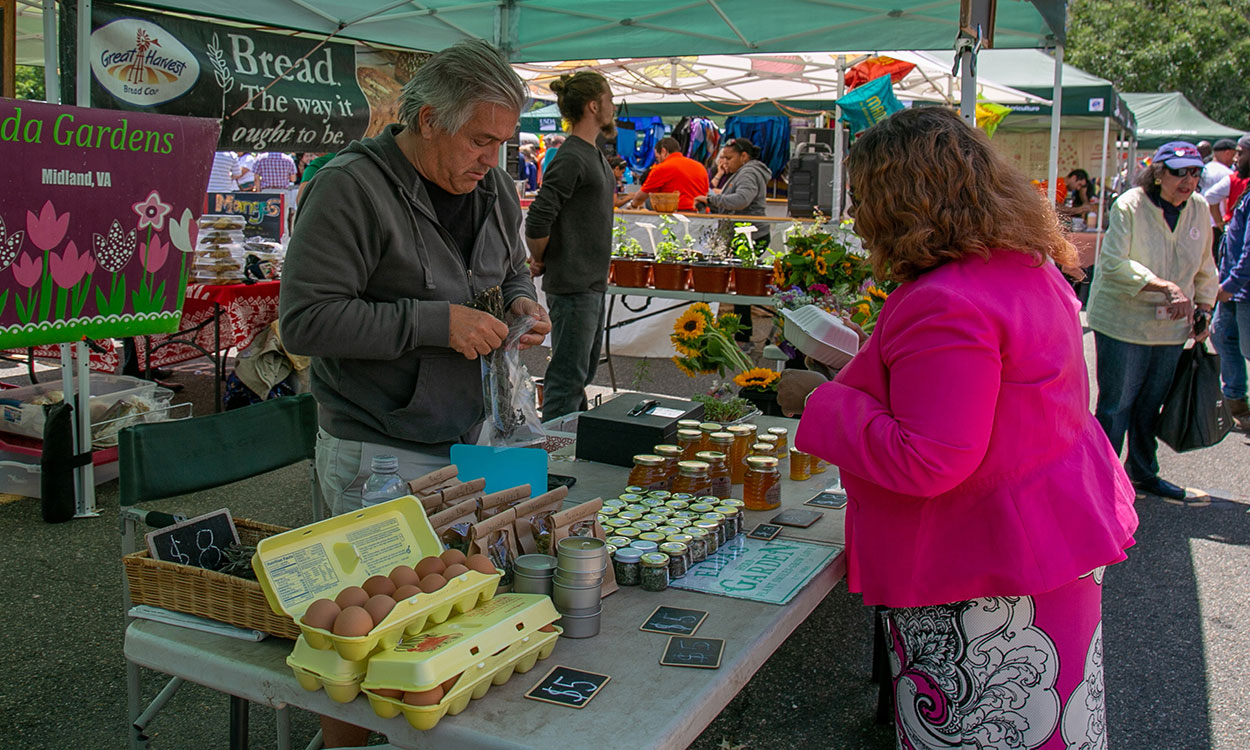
(1169, 116)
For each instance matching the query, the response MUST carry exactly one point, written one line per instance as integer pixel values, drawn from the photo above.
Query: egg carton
(409, 617)
(474, 683)
(316, 669)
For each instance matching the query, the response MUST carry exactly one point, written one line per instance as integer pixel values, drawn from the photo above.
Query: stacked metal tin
(577, 583)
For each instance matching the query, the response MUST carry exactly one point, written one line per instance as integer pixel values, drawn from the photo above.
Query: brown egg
(352, 596)
(321, 614)
(379, 607)
(548, 628)
(454, 570)
(448, 685)
(407, 592)
(353, 622)
(482, 564)
(375, 585)
(424, 697)
(430, 565)
(452, 557)
(403, 575)
(389, 693)
(433, 582)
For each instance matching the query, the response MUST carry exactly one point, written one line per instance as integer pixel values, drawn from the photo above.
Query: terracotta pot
(632, 272)
(752, 282)
(709, 278)
(672, 276)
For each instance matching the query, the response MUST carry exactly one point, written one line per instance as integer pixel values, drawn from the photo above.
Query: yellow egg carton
(297, 567)
(317, 668)
(485, 647)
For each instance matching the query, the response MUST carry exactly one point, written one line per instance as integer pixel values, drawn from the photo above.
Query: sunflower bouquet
(705, 343)
(821, 257)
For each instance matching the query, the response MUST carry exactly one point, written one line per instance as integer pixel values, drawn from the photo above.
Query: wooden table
(644, 706)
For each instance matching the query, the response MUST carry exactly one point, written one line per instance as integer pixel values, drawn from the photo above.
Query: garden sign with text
(97, 220)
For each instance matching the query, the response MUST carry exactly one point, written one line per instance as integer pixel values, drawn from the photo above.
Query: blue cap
(1178, 155)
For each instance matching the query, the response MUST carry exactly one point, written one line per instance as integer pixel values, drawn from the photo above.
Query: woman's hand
(1180, 307)
(793, 389)
(846, 319)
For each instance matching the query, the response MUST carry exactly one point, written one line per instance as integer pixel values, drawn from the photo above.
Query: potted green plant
(750, 275)
(710, 272)
(629, 267)
(671, 270)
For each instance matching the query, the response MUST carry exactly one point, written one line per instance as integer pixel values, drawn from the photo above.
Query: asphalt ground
(1176, 632)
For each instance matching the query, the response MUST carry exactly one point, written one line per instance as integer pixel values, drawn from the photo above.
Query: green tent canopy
(1171, 117)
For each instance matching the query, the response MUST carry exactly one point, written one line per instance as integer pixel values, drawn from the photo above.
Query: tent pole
(51, 79)
(1102, 183)
(82, 58)
(968, 87)
(835, 208)
(1056, 104)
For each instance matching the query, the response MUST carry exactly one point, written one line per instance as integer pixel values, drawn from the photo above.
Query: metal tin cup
(576, 579)
(569, 597)
(585, 626)
(581, 554)
(523, 584)
(535, 565)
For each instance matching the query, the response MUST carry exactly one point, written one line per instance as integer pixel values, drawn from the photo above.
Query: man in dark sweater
(569, 233)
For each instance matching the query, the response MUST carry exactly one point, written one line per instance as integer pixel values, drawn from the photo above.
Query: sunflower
(681, 365)
(846, 266)
(690, 325)
(822, 268)
(703, 309)
(809, 254)
(862, 309)
(877, 292)
(779, 275)
(682, 349)
(757, 377)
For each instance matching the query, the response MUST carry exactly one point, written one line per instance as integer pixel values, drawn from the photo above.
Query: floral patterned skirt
(1019, 672)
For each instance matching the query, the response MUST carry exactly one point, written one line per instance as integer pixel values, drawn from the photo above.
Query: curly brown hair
(927, 189)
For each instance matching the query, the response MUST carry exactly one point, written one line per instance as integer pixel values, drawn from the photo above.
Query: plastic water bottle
(384, 483)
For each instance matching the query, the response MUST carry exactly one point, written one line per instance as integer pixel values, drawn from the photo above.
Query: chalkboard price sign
(674, 621)
(568, 687)
(199, 541)
(700, 653)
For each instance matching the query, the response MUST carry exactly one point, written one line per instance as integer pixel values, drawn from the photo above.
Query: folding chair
(161, 460)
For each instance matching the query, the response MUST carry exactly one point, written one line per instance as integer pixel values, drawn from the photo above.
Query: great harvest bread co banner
(323, 97)
(96, 220)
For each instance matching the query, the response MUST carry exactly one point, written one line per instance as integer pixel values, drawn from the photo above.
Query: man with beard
(569, 233)
(1222, 196)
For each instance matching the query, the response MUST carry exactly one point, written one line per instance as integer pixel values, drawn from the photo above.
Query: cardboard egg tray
(297, 567)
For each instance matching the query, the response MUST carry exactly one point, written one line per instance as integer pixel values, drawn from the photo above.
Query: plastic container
(316, 668)
(21, 409)
(384, 483)
(821, 335)
(299, 566)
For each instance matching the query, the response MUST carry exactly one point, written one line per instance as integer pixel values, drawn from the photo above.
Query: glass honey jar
(648, 471)
(762, 485)
(688, 424)
(738, 452)
(782, 435)
(762, 449)
(671, 455)
(800, 466)
(817, 464)
(707, 428)
(692, 477)
(723, 442)
(689, 440)
(718, 472)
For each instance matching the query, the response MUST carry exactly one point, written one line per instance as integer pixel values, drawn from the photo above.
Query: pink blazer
(965, 442)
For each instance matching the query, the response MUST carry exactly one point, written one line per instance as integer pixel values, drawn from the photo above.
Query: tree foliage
(1198, 47)
(28, 82)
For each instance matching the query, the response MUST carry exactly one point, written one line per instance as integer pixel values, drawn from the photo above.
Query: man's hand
(1224, 296)
(700, 199)
(473, 332)
(537, 267)
(523, 306)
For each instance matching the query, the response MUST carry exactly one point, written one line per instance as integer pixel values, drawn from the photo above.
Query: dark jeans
(1230, 332)
(1133, 381)
(576, 339)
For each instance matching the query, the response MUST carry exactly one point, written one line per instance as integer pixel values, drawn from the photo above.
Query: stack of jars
(655, 537)
(577, 583)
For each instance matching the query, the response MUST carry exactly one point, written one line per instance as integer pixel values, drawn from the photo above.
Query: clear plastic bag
(510, 394)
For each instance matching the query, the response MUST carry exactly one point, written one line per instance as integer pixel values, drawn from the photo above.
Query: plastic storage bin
(21, 409)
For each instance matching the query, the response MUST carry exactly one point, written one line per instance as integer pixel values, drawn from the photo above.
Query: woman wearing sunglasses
(1153, 281)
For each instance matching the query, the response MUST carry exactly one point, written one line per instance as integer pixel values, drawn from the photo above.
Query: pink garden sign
(97, 220)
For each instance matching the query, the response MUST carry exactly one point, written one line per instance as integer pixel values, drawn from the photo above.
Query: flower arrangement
(758, 379)
(827, 269)
(705, 344)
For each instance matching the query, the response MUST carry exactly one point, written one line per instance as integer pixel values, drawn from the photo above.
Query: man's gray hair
(453, 81)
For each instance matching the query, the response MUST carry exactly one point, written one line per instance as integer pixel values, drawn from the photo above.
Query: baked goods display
(219, 251)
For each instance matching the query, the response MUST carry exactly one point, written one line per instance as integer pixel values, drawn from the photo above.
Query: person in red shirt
(673, 173)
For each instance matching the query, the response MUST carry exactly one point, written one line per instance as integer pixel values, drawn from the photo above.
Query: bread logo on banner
(141, 63)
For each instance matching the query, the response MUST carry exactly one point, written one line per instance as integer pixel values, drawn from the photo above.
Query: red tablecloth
(246, 309)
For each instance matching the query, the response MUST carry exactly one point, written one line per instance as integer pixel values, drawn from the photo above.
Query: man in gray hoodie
(396, 236)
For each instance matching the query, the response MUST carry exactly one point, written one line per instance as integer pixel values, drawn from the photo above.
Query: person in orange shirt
(673, 173)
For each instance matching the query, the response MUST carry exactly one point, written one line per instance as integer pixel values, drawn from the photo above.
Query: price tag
(699, 653)
(674, 621)
(564, 686)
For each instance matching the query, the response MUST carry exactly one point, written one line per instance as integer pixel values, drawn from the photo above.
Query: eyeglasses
(1186, 172)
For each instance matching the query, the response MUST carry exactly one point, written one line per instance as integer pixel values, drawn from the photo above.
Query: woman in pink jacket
(985, 500)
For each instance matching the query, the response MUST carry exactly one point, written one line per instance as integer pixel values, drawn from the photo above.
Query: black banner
(159, 63)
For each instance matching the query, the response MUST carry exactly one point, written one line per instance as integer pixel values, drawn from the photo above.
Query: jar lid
(682, 496)
(692, 468)
(611, 548)
(660, 494)
(652, 536)
(616, 522)
(635, 489)
(677, 504)
(770, 439)
(628, 555)
(701, 508)
(618, 541)
(648, 459)
(667, 531)
(685, 514)
(655, 518)
(629, 532)
(732, 502)
(655, 560)
(629, 498)
(667, 450)
(751, 427)
(738, 430)
(722, 436)
(708, 499)
(685, 424)
(778, 431)
(680, 523)
(762, 462)
(728, 511)
(689, 434)
(614, 502)
(713, 516)
(674, 549)
(768, 448)
(637, 508)
(709, 456)
(629, 515)
(609, 510)
(696, 532)
(645, 525)
(644, 545)
(708, 526)
(680, 538)
(651, 502)
(710, 426)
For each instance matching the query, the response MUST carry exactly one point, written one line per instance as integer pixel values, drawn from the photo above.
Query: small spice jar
(648, 472)
(628, 532)
(733, 520)
(717, 472)
(644, 545)
(676, 505)
(627, 565)
(682, 497)
(684, 514)
(671, 455)
(800, 465)
(654, 573)
(652, 536)
(707, 428)
(638, 508)
(678, 558)
(629, 515)
(698, 543)
(655, 518)
(762, 486)
(712, 529)
(722, 531)
(738, 452)
(619, 541)
(689, 440)
(692, 477)
(609, 510)
(645, 525)
(614, 502)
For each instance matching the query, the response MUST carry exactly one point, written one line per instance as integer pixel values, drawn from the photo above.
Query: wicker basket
(665, 203)
(207, 593)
